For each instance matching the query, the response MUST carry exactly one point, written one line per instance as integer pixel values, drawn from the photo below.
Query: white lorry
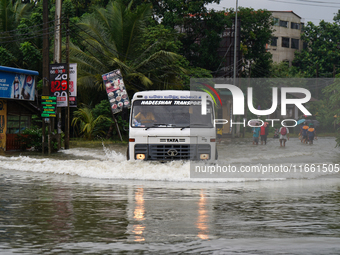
(169, 125)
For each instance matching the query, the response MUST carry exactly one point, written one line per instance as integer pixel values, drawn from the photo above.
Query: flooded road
(93, 201)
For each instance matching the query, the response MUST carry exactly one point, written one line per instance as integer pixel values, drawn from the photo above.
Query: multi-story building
(286, 37)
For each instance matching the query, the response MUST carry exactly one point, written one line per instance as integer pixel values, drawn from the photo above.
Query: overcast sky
(309, 10)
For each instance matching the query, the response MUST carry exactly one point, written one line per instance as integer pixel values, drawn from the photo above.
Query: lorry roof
(142, 94)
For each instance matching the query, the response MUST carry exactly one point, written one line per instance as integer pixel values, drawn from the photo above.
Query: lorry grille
(172, 151)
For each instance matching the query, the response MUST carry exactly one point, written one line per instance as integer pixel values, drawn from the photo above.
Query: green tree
(322, 51)
(283, 70)
(110, 39)
(11, 14)
(256, 32)
(88, 126)
(332, 93)
(198, 28)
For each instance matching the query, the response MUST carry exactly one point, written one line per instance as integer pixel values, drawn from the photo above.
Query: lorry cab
(169, 125)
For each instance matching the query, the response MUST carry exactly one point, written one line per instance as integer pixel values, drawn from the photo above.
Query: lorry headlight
(204, 156)
(140, 156)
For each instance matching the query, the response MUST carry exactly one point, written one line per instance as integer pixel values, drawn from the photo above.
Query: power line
(19, 29)
(25, 39)
(313, 1)
(22, 35)
(303, 4)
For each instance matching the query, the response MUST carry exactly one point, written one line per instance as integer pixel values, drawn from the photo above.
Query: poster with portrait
(116, 91)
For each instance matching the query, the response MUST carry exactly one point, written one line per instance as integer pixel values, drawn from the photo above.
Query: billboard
(73, 85)
(116, 91)
(17, 86)
(58, 83)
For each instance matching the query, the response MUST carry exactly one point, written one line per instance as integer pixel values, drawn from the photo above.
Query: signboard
(58, 83)
(73, 85)
(17, 86)
(116, 91)
(48, 105)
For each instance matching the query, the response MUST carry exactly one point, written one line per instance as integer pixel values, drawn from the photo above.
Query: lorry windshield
(171, 113)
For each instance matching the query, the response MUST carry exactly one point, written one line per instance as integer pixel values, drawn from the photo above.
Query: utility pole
(317, 85)
(248, 85)
(235, 43)
(235, 57)
(57, 57)
(46, 61)
(67, 114)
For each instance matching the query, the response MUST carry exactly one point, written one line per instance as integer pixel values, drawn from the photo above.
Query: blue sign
(17, 85)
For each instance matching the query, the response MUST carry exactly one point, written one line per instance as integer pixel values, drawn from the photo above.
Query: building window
(285, 42)
(283, 23)
(294, 25)
(16, 123)
(276, 21)
(274, 41)
(294, 43)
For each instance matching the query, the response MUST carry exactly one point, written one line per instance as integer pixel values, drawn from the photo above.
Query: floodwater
(93, 201)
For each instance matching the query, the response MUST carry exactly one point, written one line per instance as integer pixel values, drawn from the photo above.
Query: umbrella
(300, 121)
(253, 122)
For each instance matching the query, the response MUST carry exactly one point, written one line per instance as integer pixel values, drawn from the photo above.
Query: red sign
(58, 83)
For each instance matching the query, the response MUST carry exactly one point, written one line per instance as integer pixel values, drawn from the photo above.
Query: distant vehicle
(168, 125)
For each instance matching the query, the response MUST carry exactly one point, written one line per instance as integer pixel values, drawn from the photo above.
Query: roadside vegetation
(161, 45)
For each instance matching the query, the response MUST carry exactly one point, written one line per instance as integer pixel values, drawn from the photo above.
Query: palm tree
(110, 39)
(11, 13)
(88, 125)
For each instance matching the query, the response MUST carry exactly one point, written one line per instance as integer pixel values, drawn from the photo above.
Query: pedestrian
(304, 133)
(256, 134)
(284, 136)
(219, 134)
(264, 133)
(311, 133)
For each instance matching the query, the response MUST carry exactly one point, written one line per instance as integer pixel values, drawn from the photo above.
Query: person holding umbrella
(256, 133)
(304, 133)
(264, 133)
(311, 133)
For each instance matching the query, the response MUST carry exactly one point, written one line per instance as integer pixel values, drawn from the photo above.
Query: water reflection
(62, 213)
(202, 217)
(139, 215)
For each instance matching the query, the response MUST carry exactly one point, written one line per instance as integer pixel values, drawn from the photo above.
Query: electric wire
(15, 30)
(303, 4)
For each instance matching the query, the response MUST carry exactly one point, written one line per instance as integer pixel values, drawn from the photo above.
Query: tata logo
(172, 152)
(172, 140)
(238, 100)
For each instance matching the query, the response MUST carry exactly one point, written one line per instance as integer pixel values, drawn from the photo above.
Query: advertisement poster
(58, 83)
(17, 86)
(3, 117)
(116, 91)
(73, 85)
